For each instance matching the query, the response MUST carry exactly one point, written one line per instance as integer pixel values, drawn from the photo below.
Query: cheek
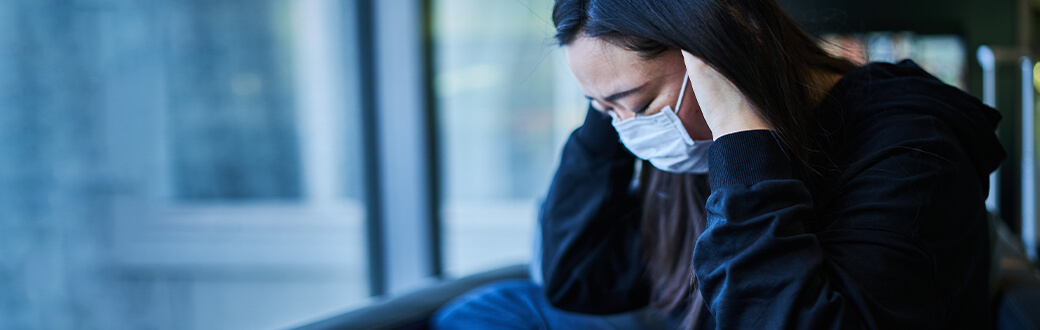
(689, 104)
(692, 118)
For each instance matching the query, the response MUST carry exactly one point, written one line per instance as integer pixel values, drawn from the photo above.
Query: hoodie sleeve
(591, 257)
(906, 248)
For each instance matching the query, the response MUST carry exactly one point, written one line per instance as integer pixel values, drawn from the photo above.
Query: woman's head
(753, 43)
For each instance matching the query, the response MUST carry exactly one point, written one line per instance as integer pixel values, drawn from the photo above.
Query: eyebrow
(621, 94)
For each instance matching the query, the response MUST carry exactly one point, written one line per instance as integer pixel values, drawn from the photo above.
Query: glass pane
(231, 120)
(944, 56)
(179, 164)
(506, 102)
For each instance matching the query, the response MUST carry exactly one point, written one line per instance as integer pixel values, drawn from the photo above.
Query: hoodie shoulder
(889, 95)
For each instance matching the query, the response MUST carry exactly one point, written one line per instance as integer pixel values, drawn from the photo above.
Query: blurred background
(254, 164)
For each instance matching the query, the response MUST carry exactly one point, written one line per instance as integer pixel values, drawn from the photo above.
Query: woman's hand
(725, 108)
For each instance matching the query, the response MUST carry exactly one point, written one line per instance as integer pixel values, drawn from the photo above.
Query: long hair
(754, 44)
(673, 218)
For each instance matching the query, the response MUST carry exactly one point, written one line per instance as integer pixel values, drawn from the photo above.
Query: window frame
(151, 232)
(405, 240)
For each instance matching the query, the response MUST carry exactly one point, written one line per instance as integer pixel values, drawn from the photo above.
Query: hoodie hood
(906, 86)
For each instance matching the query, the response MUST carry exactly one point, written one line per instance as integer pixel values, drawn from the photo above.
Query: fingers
(705, 83)
(693, 63)
(725, 108)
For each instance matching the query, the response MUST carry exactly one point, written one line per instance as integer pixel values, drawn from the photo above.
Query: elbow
(571, 296)
(555, 291)
(564, 295)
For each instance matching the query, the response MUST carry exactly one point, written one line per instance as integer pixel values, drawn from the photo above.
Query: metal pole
(1028, 160)
(402, 123)
(989, 96)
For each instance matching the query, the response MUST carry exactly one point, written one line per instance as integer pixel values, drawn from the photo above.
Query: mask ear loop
(685, 79)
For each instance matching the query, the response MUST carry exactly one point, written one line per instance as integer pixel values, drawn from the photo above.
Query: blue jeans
(521, 304)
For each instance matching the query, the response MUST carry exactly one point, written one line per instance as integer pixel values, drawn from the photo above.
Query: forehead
(602, 68)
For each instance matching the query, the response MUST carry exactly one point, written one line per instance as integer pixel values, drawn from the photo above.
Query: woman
(841, 197)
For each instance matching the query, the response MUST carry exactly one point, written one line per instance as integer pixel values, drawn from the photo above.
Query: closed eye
(642, 109)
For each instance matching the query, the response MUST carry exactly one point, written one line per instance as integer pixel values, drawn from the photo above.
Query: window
(506, 103)
(233, 156)
(942, 55)
(230, 119)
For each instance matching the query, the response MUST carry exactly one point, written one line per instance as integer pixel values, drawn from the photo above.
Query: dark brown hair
(672, 220)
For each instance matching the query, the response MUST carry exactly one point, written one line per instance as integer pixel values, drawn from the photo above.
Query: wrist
(748, 123)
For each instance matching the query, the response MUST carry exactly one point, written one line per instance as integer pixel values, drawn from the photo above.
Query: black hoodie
(895, 237)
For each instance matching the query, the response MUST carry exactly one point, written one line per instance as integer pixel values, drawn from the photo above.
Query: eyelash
(642, 109)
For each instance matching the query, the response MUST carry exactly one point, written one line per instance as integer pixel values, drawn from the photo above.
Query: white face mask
(662, 139)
